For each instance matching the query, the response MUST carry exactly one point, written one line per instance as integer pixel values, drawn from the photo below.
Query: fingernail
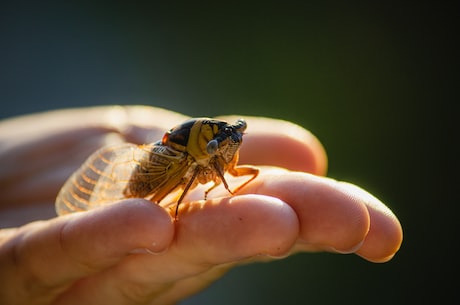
(153, 250)
(141, 251)
(350, 250)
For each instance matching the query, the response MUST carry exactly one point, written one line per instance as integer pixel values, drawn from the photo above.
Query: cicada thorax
(192, 137)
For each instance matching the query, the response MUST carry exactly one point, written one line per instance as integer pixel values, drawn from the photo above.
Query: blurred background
(371, 79)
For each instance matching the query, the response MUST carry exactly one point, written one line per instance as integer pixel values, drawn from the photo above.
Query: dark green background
(371, 80)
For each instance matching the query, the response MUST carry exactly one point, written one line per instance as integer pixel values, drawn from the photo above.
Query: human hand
(132, 251)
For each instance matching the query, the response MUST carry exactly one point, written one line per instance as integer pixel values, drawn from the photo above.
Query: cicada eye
(241, 125)
(212, 146)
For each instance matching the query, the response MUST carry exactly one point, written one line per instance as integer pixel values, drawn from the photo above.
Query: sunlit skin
(133, 251)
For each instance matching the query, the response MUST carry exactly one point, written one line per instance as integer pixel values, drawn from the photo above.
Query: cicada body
(198, 151)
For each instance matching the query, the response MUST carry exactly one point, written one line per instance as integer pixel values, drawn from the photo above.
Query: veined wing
(101, 179)
(124, 171)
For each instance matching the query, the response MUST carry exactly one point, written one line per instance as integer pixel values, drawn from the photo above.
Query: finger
(80, 244)
(97, 126)
(218, 231)
(385, 233)
(330, 219)
(120, 119)
(283, 144)
(145, 124)
(224, 232)
(333, 215)
(229, 228)
(48, 155)
(29, 148)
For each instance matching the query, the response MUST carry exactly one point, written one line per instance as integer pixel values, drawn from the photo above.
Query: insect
(198, 151)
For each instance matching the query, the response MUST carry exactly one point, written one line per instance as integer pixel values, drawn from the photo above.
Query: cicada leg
(184, 192)
(243, 170)
(216, 185)
(236, 171)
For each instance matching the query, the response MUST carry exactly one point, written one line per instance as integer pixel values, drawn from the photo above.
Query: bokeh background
(371, 79)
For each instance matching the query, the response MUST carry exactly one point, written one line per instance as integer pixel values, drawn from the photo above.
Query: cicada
(198, 151)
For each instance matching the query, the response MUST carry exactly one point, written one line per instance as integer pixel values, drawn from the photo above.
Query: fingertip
(384, 238)
(284, 144)
(385, 233)
(284, 150)
(100, 236)
(330, 217)
(227, 229)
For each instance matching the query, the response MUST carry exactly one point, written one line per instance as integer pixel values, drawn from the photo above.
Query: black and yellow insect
(200, 150)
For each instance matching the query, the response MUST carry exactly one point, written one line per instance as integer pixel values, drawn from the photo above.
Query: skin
(133, 252)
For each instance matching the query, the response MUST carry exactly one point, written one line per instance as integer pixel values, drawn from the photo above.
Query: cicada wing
(102, 179)
(163, 172)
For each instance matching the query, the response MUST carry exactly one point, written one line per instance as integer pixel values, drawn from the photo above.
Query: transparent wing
(102, 179)
(124, 171)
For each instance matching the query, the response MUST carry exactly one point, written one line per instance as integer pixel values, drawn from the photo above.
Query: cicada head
(227, 140)
(203, 138)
